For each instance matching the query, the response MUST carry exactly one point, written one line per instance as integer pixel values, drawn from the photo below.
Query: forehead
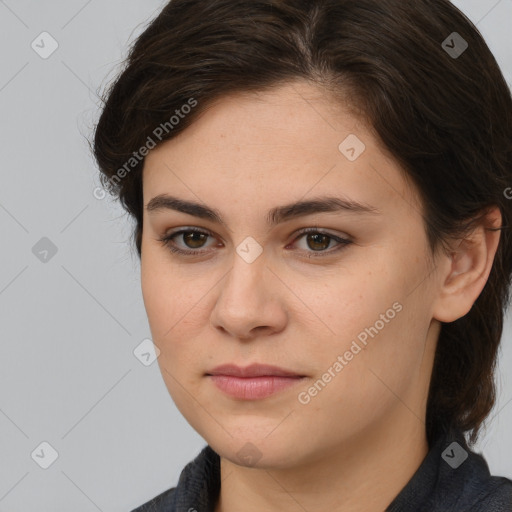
(284, 143)
(297, 114)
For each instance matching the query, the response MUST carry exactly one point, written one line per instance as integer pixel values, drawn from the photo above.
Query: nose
(250, 301)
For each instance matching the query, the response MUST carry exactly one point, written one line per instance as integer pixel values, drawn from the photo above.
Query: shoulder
(494, 495)
(160, 503)
(454, 478)
(474, 489)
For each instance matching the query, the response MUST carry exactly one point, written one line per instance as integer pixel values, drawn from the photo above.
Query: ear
(466, 269)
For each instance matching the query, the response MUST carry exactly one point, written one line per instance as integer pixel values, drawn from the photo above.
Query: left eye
(194, 239)
(317, 240)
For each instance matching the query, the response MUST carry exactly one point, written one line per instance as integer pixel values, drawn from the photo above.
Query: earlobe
(468, 267)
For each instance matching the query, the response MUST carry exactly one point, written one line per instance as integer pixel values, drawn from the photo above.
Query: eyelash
(167, 241)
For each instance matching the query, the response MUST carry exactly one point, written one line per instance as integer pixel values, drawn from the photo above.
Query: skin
(360, 439)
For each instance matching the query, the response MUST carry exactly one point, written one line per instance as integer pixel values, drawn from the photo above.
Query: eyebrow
(274, 216)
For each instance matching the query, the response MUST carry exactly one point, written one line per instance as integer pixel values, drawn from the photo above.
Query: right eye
(193, 238)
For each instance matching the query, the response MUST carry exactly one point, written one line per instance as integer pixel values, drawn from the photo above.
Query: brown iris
(194, 238)
(319, 240)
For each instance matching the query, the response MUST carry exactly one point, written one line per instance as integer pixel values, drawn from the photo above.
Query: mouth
(253, 382)
(254, 370)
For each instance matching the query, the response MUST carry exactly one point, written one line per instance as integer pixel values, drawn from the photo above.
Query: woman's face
(353, 319)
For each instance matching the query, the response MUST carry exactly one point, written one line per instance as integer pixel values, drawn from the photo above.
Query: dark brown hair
(446, 118)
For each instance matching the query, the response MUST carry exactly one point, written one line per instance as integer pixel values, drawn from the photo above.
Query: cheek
(158, 301)
(373, 319)
(350, 303)
(177, 312)
(167, 296)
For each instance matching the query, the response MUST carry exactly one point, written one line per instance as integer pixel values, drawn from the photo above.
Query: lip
(253, 370)
(253, 382)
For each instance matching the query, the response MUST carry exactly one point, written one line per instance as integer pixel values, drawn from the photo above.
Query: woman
(320, 196)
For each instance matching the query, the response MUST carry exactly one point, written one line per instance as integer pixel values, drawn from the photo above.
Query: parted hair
(417, 71)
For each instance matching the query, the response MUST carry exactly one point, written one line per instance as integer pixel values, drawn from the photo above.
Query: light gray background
(68, 375)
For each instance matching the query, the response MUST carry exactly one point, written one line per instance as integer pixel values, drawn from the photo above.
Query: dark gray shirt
(451, 478)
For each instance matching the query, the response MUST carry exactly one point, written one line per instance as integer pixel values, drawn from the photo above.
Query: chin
(253, 449)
